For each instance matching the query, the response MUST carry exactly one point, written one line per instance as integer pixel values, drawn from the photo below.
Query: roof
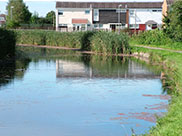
(2, 15)
(150, 22)
(79, 21)
(108, 4)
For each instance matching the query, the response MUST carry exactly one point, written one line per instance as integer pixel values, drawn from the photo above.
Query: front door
(113, 27)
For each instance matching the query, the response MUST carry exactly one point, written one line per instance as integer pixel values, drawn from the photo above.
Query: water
(56, 93)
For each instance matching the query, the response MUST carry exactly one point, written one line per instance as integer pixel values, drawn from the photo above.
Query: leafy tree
(173, 21)
(34, 18)
(51, 17)
(18, 13)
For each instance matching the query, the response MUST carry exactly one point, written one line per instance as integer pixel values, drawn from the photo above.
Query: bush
(7, 43)
(152, 37)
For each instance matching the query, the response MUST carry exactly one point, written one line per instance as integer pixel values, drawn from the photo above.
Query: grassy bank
(7, 43)
(101, 42)
(171, 65)
(155, 38)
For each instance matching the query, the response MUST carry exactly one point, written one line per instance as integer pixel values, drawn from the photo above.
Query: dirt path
(50, 47)
(156, 48)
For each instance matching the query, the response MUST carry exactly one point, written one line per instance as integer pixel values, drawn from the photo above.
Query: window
(87, 11)
(100, 25)
(132, 12)
(154, 10)
(157, 10)
(133, 26)
(63, 25)
(2, 19)
(96, 15)
(88, 25)
(60, 12)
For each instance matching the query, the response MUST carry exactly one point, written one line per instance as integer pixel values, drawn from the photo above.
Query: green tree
(34, 18)
(18, 13)
(51, 17)
(173, 21)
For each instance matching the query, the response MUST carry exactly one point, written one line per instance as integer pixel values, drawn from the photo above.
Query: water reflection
(103, 67)
(12, 68)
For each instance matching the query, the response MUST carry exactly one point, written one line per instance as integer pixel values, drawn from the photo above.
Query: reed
(100, 42)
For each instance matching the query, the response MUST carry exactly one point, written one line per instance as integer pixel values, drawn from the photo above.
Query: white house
(82, 16)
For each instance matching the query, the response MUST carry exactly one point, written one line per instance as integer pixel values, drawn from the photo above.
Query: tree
(18, 13)
(173, 21)
(51, 17)
(34, 18)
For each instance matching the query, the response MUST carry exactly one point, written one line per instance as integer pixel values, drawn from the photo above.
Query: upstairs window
(60, 12)
(96, 15)
(87, 11)
(132, 12)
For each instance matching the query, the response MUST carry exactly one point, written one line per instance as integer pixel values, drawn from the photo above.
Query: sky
(42, 7)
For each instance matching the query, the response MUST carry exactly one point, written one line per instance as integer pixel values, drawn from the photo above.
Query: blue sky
(44, 6)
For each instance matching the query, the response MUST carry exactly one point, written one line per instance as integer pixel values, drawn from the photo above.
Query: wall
(110, 16)
(144, 15)
(69, 14)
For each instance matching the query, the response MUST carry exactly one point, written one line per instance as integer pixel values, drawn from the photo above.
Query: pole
(135, 20)
(12, 12)
(119, 17)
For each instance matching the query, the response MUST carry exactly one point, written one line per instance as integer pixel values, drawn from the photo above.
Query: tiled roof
(108, 4)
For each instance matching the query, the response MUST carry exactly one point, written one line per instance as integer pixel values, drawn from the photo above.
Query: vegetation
(109, 43)
(18, 13)
(153, 37)
(41, 22)
(100, 42)
(173, 21)
(7, 43)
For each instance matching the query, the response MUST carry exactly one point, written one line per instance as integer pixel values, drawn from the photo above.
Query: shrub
(7, 43)
(152, 37)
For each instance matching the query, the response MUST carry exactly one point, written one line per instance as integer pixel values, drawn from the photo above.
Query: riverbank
(72, 49)
(171, 64)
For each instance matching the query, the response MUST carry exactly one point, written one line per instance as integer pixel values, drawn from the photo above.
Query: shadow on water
(12, 68)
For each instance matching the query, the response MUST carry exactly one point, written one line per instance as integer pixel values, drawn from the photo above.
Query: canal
(64, 93)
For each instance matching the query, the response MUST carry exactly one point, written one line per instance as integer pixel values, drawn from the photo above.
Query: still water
(59, 93)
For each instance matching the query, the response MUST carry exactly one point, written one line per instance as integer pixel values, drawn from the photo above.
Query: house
(166, 6)
(2, 19)
(82, 16)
